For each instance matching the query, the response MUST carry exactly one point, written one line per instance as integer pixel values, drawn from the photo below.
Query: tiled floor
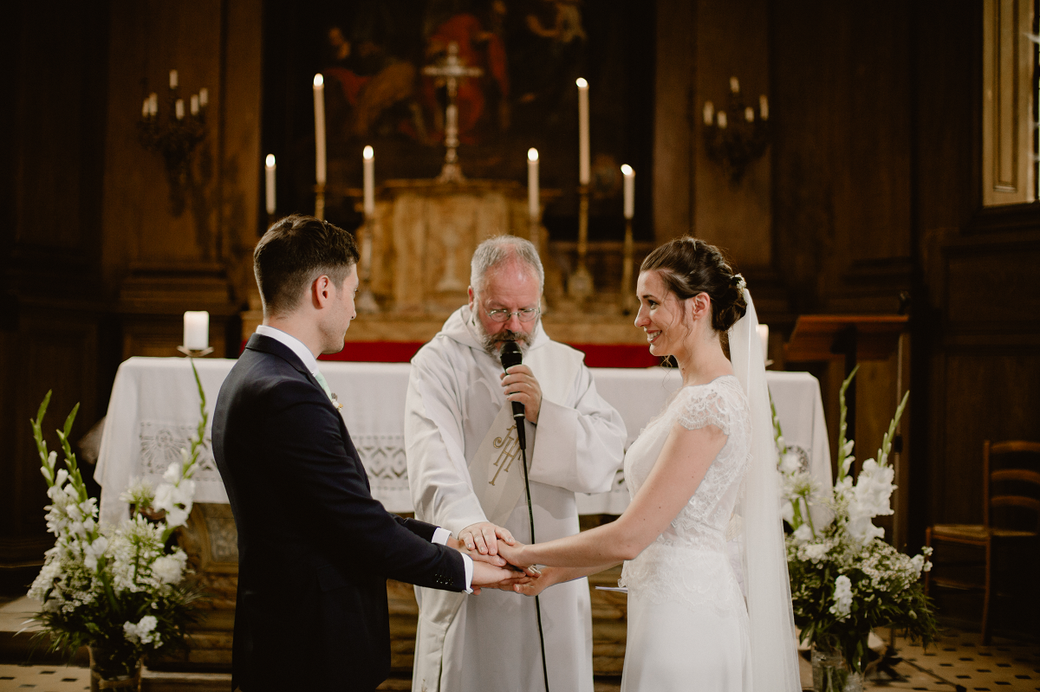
(958, 662)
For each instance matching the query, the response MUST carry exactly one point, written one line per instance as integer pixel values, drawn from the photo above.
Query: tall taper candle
(369, 156)
(583, 131)
(196, 330)
(319, 128)
(630, 190)
(532, 184)
(269, 172)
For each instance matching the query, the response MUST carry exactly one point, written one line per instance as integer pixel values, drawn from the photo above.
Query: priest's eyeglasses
(503, 315)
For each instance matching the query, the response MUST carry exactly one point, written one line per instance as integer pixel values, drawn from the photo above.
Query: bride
(709, 603)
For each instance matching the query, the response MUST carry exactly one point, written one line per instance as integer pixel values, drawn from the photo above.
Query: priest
(465, 474)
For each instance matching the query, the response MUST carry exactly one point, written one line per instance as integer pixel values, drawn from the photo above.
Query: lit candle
(763, 334)
(369, 156)
(153, 104)
(194, 104)
(723, 121)
(749, 114)
(179, 109)
(319, 128)
(763, 107)
(203, 97)
(734, 85)
(269, 171)
(173, 79)
(196, 330)
(630, 190)
(709, 112)
(583, 131)
(532, 184)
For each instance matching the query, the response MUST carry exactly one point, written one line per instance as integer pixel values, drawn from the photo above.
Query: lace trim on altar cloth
(694, 577)
(382, 455)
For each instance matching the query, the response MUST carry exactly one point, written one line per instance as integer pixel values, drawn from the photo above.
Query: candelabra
(736, 135)
(176, 135)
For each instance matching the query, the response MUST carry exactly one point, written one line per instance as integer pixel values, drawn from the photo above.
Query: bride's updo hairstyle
(689, 266)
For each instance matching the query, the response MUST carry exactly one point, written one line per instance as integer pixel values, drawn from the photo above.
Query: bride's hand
(513, 554)
(532, 587)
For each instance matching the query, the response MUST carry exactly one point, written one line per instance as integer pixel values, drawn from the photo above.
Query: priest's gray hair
(494, 251)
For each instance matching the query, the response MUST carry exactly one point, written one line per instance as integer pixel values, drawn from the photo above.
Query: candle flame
(270, 160)
(627, 170)
(369, 152)
(532, 154)
(582, 84)
(319, 80)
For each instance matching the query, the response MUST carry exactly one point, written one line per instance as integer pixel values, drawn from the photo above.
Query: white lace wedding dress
(687, 619)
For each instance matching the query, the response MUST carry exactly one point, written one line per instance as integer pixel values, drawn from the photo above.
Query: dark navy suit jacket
(315, 548)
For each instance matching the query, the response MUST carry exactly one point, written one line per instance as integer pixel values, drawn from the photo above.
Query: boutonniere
(335, 402)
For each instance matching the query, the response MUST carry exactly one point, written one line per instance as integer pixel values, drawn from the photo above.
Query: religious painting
(385, 85)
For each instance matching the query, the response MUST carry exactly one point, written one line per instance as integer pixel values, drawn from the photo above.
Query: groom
(315, 549)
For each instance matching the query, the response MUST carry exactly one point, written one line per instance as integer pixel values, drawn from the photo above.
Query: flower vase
(831, 672)
(109, 670)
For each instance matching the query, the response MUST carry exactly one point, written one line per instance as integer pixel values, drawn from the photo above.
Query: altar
(154, 411)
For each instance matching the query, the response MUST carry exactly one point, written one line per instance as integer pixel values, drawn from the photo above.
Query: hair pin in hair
(739, 281)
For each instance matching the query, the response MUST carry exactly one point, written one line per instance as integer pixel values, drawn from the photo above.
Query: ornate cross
(452, 71)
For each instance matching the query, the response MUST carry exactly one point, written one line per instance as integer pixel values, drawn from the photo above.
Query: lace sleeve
(704, 405)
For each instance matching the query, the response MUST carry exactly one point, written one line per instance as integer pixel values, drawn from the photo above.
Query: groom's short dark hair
(293, 253)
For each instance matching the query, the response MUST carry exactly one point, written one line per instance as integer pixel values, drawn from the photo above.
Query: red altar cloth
(596, 355)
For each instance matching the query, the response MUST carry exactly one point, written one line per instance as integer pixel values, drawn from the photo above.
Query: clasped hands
(495, 555)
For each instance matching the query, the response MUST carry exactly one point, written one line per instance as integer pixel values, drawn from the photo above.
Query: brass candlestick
(628, 298)
(579, 286)
(366, 301)
(319, 201)
(195, 352)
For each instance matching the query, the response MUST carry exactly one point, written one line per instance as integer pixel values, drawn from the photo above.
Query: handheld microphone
(511, 355)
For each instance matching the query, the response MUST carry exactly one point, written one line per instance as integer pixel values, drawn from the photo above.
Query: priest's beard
(492, 343)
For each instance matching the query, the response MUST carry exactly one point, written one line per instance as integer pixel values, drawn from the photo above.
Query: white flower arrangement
(845, 579)
(119, 589)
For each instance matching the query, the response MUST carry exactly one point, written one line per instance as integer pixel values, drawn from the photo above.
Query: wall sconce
(177, 135)
(736, 135)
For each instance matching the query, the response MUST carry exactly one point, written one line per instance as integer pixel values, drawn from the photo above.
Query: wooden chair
(1011, 515)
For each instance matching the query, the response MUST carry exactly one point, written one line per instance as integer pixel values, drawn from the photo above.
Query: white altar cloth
(154, 412)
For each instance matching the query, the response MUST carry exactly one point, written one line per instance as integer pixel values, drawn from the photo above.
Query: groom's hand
(492, 577)
(458, 545)
(483, 537)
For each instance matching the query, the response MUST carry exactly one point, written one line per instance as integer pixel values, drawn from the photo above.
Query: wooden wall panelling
(675, 103)
(1008, 62)
(733, 40)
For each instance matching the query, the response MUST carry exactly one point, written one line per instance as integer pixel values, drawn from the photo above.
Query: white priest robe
(490, 641)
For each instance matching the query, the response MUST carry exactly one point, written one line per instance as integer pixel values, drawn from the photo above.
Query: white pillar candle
(369, 157)
(153, 104)
(179, 109)
(196, 330)
(734, 85)
(749, 114)
(630, 190)
(532, 184)
(583, 131)
(763, 107)
(144, 109)
(203, 97)
(319, 128)
(173, 79)
(763, 334)
(723, 121)
(269, 174)
(709, 113)
(194, 104)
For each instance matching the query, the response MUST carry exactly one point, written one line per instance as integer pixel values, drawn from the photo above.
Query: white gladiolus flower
(176, 517)
(169, 568)
(842, 607)
(173, 473)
